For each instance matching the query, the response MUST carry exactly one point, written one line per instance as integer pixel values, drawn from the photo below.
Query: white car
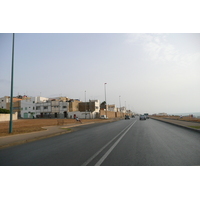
(142, 117)
(103, 117)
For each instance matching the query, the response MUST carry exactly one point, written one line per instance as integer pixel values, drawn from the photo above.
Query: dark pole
(11, 93)
(105, 97)
(85, 104)
(120, 105)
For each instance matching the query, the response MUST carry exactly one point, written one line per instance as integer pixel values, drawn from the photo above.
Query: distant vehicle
(142, 117)
(146, 115)
(103, 117)
(127, 117)
(133, 116)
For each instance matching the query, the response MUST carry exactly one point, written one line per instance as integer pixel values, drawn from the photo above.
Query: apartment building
(4, 101)
(28, 106)
(53, 108)
(89, 109)
(59, 107)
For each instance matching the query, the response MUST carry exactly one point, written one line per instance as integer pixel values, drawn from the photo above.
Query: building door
(56, 115)
(65, 114)
(25, 115)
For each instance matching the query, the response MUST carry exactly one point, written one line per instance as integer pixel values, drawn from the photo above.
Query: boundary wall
(112, 114)
(6, 117)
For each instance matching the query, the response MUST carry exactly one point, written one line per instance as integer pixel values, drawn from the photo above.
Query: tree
(4, 110)
(103, 105)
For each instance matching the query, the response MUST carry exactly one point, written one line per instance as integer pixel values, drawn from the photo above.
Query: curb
(33, 139)
(186, 127)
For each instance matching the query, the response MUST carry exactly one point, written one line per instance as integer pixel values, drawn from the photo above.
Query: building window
(64, 106)
(25, 108)
(33, 108)
(45, 107)
(37, 107)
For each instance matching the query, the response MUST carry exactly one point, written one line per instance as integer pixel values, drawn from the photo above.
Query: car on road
(127, 117)
(142, 117)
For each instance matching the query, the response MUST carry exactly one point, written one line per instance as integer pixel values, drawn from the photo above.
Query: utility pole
(120, 105)
(105, 97)
(11, 92)
(85, 104)
(125, 107)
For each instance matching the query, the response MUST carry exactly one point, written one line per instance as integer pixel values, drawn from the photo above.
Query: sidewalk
(12, 140)
(180, 123)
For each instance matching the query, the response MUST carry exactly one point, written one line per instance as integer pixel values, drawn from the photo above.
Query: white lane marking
(112, 147)
(98, 152)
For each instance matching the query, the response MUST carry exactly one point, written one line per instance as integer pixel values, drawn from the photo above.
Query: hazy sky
(151, 72)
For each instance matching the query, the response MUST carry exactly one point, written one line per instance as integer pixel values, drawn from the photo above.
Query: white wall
(6, 117)
(82, 115)
(41, 99)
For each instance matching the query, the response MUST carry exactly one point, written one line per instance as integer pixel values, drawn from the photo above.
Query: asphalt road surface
(122, 143)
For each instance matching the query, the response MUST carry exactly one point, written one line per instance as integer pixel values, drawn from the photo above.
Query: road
(122, 143)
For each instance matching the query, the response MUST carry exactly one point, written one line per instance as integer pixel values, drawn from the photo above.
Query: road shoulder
(183, 124)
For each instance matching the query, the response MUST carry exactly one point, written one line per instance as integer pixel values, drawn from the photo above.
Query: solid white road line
(98, 152)
(112, 147)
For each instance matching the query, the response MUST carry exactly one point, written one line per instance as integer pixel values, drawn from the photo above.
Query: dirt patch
(188, 119)
(32, 125)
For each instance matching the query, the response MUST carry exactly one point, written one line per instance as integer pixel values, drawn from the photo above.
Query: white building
(3, 101)
(112, 108)
(52, 109)
(86, 110)
(122, 109)
(28, 106)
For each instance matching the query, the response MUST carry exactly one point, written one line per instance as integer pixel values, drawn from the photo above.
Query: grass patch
(196, 127)
(67, 129)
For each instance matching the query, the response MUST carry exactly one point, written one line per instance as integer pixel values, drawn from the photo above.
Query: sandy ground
(32, 125)
(190, 119)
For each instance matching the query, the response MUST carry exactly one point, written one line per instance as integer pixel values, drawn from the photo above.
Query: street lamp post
(11, 92)
(125, 107)
(120, 105)
(105, 97)
(85, 104)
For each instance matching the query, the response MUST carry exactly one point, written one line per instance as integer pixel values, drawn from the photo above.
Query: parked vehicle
(146, 115)
(127, 117)
(142, 117)
(103, 117)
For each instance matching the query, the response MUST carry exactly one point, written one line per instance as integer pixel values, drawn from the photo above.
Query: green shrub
(4, 110)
